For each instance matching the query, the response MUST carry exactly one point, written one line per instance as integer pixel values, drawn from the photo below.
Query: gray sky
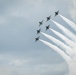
(19, 54)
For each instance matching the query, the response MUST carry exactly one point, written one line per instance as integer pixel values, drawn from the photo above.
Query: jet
(40, 23)
(38, 31)
(36, 39)
(47, 27)
(48, 18)
(56, 13)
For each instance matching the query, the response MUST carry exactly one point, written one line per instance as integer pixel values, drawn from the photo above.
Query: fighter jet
(47, 27)
(40, 23)
(48, 18)
(36, 39)
(56, 13)
(38, 31)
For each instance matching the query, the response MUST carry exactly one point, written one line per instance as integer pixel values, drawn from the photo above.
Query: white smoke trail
(70, 62)
(64, 38)
(69, 42)
(55, 48)
(70, 23)
(64, 56)
(73, 25)
(67, 49)
(65, 30)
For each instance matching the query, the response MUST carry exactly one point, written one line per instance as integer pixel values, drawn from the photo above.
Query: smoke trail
(67, 49)
(65, 30)
(55, 48)
(70, 23)
(64, 38)
(67, 58)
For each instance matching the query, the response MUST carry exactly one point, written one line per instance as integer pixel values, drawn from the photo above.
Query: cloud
(17, 62)
(12, 61)
(20, 19)
(32, 70)
(11, 65)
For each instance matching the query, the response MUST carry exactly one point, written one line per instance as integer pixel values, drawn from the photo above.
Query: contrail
(64, 38)
(55, 48)
(71, 64)
(65, 30)
(69, 44)
(70, 23)
(67, 49)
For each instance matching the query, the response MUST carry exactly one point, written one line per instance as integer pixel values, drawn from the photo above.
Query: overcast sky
(19, 54)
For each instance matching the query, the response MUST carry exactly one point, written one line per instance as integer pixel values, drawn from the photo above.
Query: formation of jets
(47, 27)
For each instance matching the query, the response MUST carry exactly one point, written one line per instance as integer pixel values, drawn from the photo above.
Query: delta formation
(47, 27)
